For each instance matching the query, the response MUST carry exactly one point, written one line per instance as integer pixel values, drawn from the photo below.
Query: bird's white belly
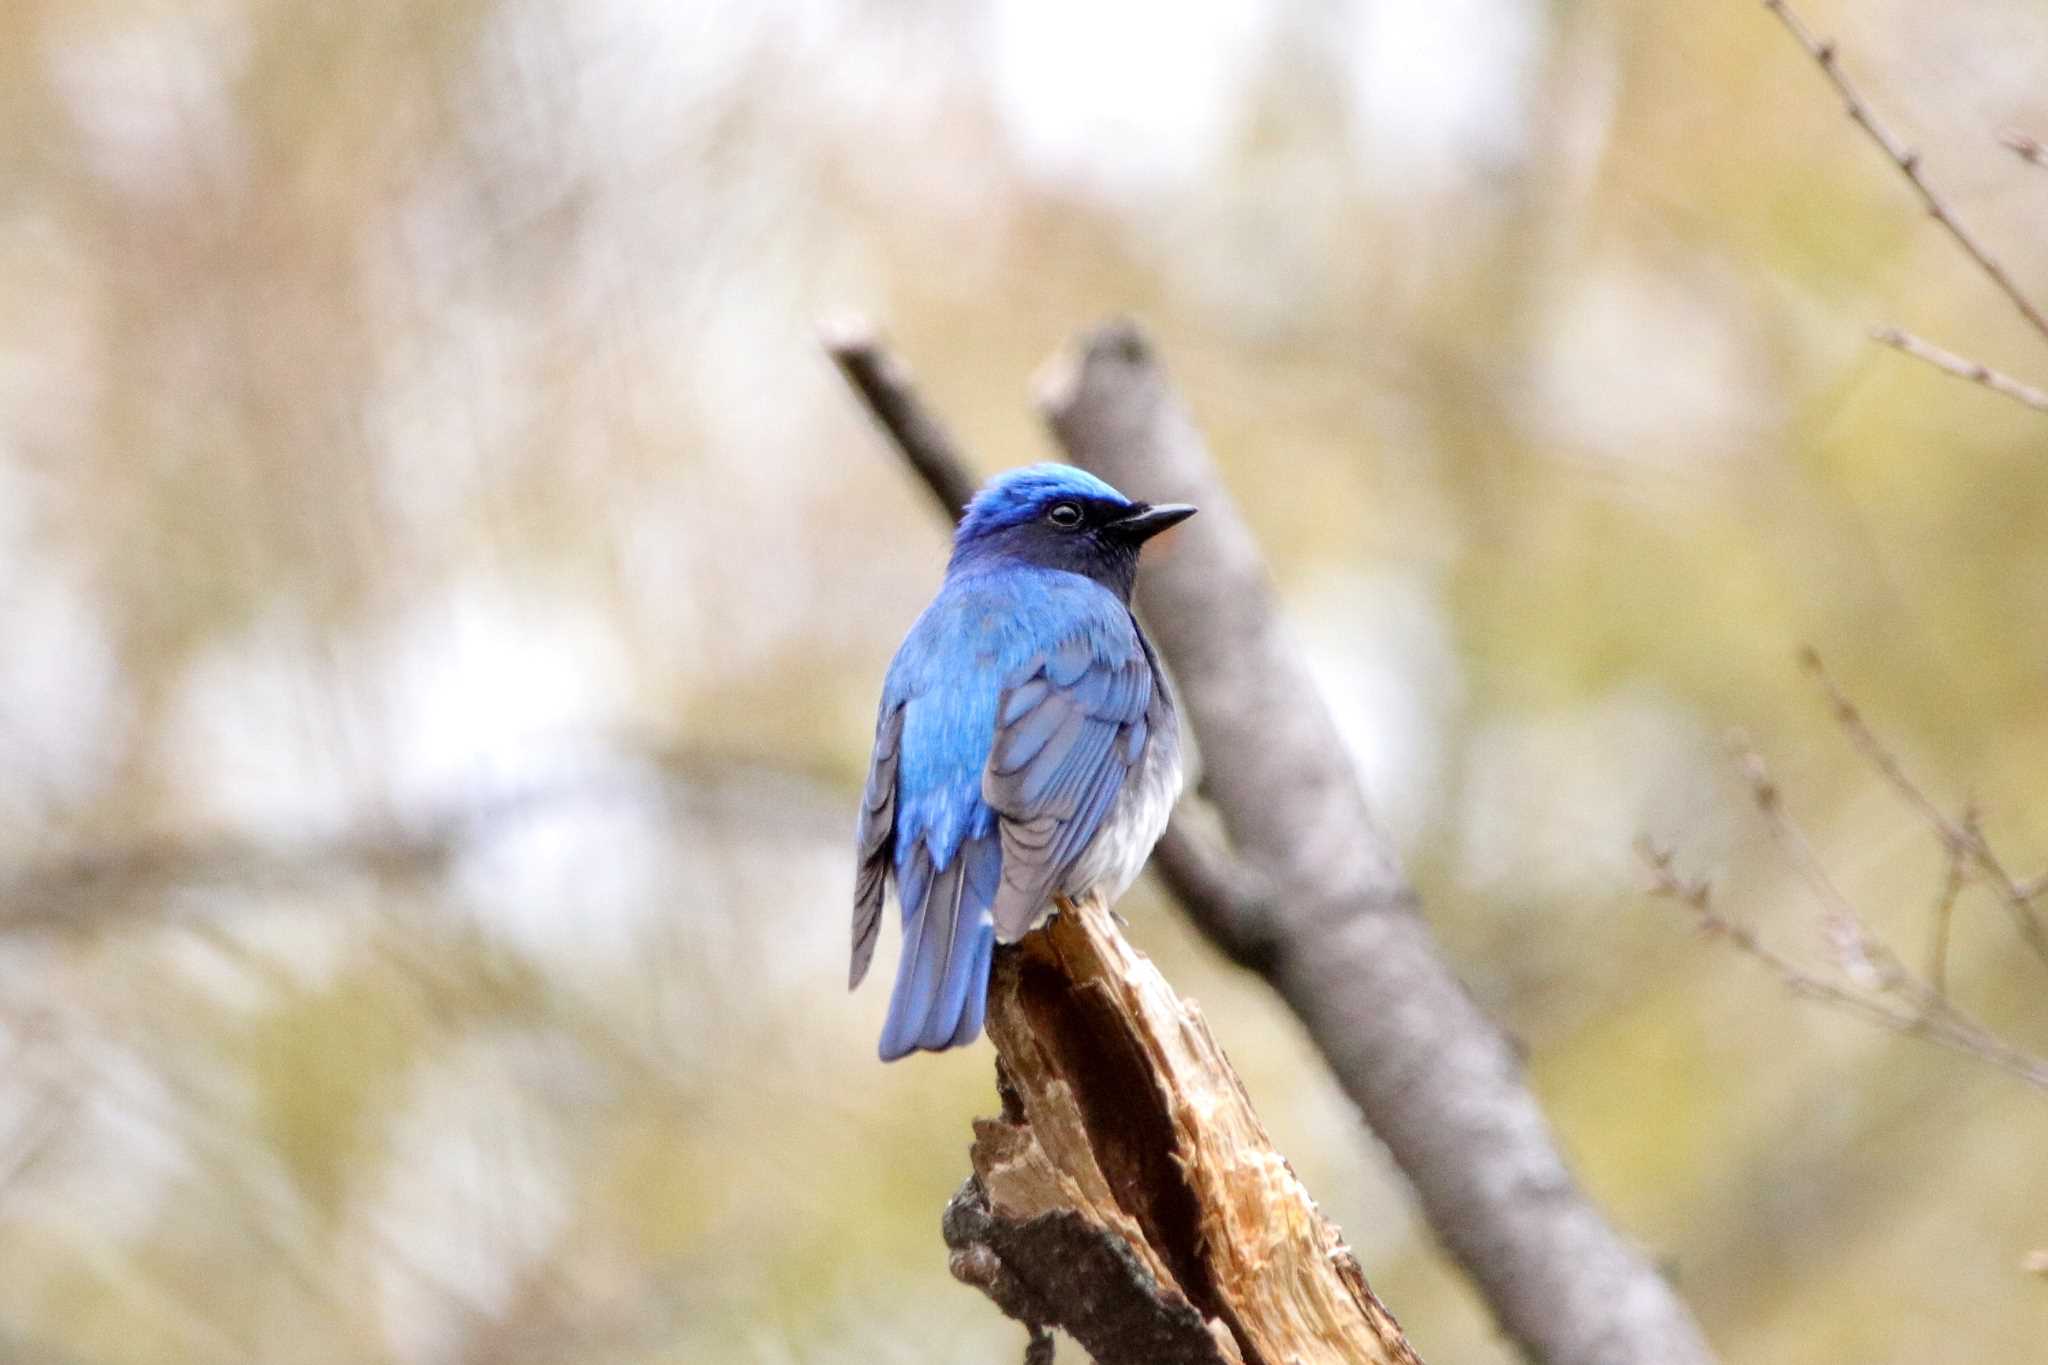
(1117, 853)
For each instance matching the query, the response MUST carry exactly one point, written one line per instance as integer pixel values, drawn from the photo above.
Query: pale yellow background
(411, 422)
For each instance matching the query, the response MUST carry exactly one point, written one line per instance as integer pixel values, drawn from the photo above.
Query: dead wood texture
(1129, 1194)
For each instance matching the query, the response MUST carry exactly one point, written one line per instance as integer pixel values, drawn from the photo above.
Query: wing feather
(872, 838)
(1070, 727)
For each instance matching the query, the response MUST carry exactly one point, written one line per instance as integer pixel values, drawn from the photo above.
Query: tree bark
(1129, 1194)
(1336, 929)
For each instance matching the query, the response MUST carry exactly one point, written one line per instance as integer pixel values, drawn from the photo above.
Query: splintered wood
(1122, 1111)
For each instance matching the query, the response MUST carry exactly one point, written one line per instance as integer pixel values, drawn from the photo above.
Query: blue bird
(1026, 746)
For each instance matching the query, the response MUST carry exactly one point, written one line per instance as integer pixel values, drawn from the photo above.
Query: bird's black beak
(1146, 520)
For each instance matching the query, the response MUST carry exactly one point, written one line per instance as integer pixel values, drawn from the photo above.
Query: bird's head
(1057, 517)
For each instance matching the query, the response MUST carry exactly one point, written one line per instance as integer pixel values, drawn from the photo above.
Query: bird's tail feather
(942, 980)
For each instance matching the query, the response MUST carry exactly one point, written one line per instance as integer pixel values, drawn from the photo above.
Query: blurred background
(444, 591)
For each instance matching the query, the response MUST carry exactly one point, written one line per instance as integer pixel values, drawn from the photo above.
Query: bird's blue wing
(942, 982)
(1070, 726)
(872, 838)
(942, 847)
(997, 760)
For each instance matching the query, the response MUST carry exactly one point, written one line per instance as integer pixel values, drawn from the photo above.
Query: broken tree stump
(1129, 1194)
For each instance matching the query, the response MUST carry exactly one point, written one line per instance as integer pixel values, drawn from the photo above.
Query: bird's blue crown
(1052, 516)
(1022, 495)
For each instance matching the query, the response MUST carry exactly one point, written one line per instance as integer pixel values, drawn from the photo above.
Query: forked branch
(1907, 161)
(1870, 979)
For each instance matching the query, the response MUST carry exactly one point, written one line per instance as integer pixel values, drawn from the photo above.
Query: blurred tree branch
(1875, 983)
(1312, 898)
(1908, 163)
(88, 889)
(1962, 840)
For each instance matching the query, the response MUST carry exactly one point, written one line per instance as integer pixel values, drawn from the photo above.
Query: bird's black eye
(1065, 515)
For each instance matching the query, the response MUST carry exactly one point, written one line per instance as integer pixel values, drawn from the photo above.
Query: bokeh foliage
(420, 486)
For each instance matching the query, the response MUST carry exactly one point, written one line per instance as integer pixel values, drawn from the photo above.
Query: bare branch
(1862, 956)
(1938, 1024)
(1879, 986)
(1963, 835)
(1859, 954)
(1954, 877)
(1948, 362)
(1697, 897)
(1907, 160)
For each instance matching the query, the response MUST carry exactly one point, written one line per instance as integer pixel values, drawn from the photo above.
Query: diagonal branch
(1875, 982)
(1961, 837)
(1948, 362)
(1936, 1024)
(1955, 875)
(1908, 162)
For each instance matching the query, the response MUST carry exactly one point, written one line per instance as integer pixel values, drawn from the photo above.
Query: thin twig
(1941, 1026)
(2016, 898)
(1881, 988)
(1861, 955)
(2028, 149)
(1907, 160)
(1953, 878)
(1962, 367)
